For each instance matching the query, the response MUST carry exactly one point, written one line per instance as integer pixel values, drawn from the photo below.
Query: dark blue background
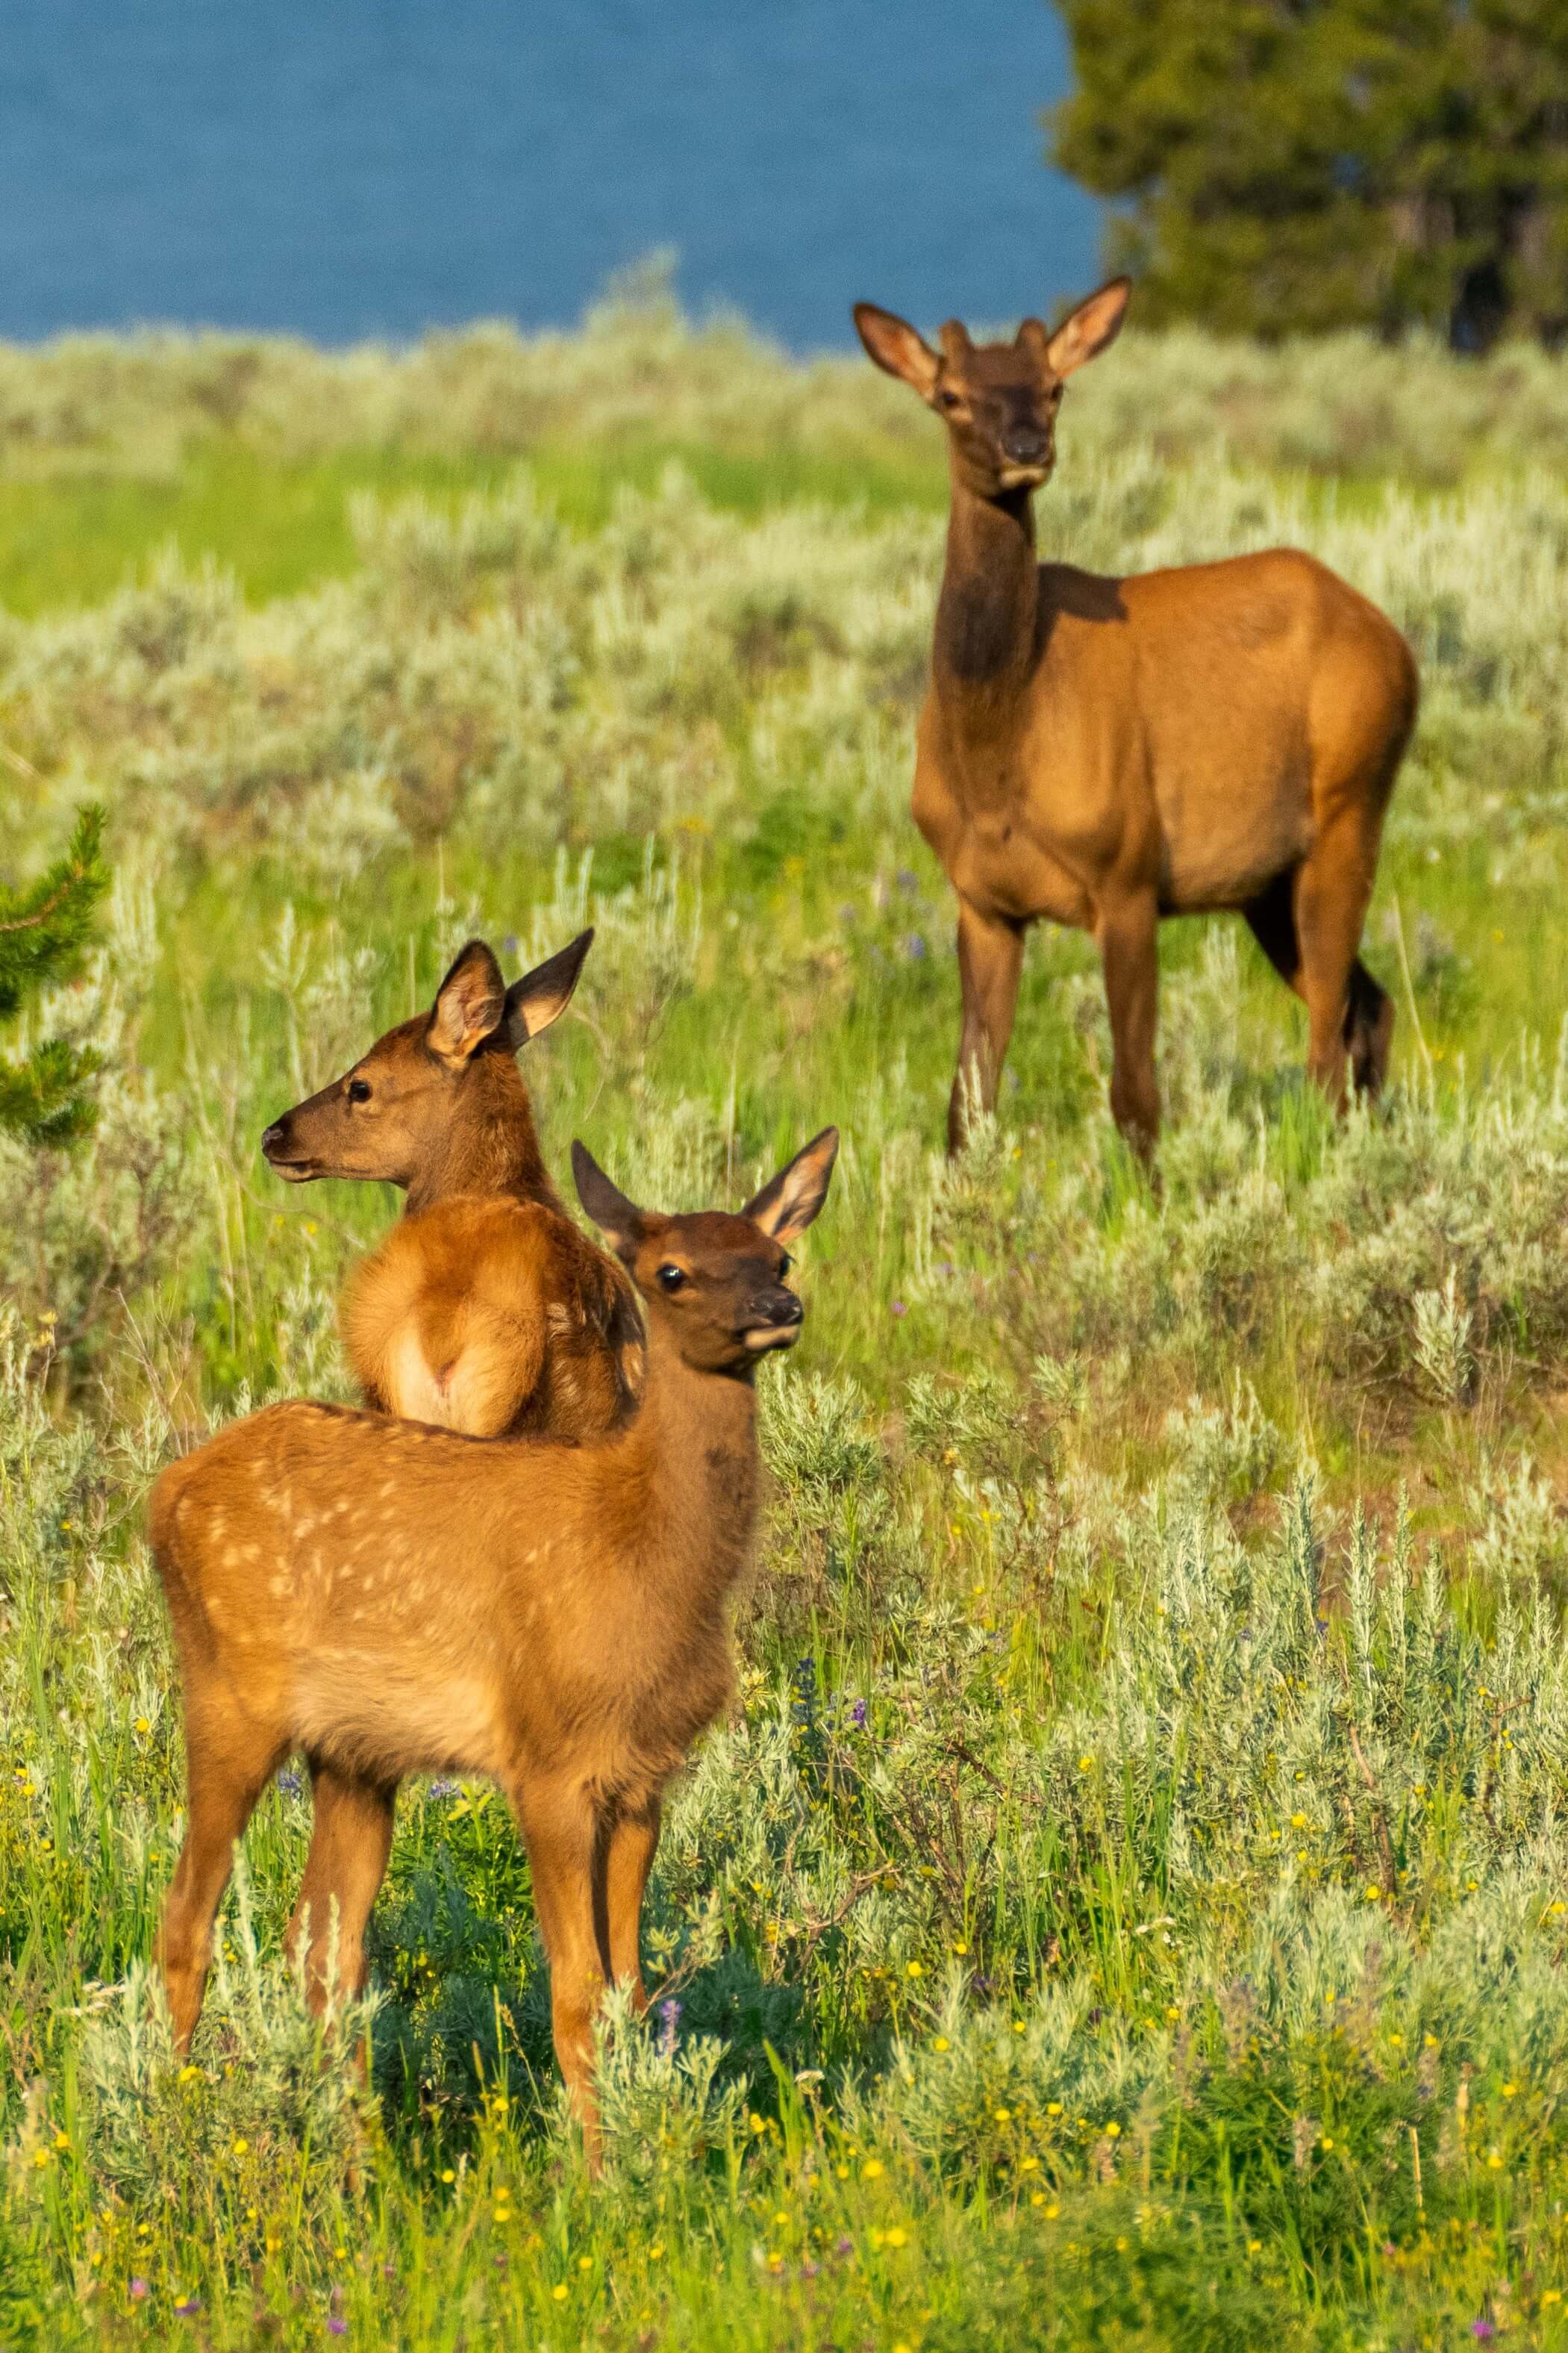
(361, 167)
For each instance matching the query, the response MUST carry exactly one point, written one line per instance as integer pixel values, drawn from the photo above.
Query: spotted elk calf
(486, 1309)
(393, 1599)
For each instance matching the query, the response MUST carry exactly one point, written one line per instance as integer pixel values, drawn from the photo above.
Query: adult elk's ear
(541, 995)
(619, 1221)
(470, 1005)
(893, 344)
(789, 1202)
(1085, 333)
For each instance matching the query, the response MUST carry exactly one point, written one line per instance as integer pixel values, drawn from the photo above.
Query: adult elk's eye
(359, 1091)
(671, 1278)
(949, 399)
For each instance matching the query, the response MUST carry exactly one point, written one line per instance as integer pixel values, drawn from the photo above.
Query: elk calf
(392, 1599)
(485, 1310)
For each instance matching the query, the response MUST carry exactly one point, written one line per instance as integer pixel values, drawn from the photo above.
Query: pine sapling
(43, 931)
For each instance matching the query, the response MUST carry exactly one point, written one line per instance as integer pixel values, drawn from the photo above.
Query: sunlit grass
(74, 538)
(1127, 1902)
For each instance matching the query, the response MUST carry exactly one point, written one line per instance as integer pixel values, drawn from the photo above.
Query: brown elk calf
(486, 1309)
(1107, 751)
(392, 1598)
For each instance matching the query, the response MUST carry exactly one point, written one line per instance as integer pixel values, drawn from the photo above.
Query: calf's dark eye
(671, 1278)
(359, 1091)
(785, 1263)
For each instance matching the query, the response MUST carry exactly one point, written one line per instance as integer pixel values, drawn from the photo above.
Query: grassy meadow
(1128, 1902)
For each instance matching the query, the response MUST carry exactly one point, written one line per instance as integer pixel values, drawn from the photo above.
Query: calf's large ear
(619, 1221)
(470, 1004)
(541, 995)
(789, 1202)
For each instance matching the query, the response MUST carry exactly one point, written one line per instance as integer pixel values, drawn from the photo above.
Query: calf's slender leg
(628, 1858)
(224, 1777)
(566, 1840)
(350, 1843)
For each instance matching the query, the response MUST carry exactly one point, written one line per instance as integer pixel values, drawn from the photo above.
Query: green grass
(1125, 1905)
(281, 526)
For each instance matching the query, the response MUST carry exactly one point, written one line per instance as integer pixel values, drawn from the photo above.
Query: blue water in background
(373, 167)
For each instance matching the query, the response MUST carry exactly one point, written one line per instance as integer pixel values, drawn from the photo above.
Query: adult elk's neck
(988, 612)
(490, 1146)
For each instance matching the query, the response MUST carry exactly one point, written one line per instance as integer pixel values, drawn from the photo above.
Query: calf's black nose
(1025, 446)
(272, 1138)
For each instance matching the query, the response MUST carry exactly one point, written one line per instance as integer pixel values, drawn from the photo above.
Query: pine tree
(1280, 165)
(43, 930)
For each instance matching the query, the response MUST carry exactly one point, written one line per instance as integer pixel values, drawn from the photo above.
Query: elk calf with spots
(486, 1309)
(392, 1598)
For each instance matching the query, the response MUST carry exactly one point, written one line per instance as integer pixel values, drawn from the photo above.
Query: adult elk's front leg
(1130, 958)
(990, 962)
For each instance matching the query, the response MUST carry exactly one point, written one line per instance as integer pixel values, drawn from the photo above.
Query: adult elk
(1105, 752)
(485, 1309)
(393, 1599)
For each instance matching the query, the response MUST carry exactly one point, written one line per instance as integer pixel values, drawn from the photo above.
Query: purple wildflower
(915, 948)
(289, 1781)
(443, 1790)
(857, 1712)
(1483, 2328)
(509, 947)
(336, 2324)
(188, 2310)
(906, 881)
(844, 2247)
(898, 1308)
(138, 2289)
(669, 2014)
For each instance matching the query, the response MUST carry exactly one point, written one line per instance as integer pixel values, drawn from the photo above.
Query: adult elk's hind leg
(990, 962)
(1127, 931)
(1369, 1031)
(1369, 1009)
(1348, 1013)
(225, 1777)
(351, 1841)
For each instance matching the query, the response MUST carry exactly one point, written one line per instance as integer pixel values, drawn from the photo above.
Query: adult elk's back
(1106, 751)
(486, 1309)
